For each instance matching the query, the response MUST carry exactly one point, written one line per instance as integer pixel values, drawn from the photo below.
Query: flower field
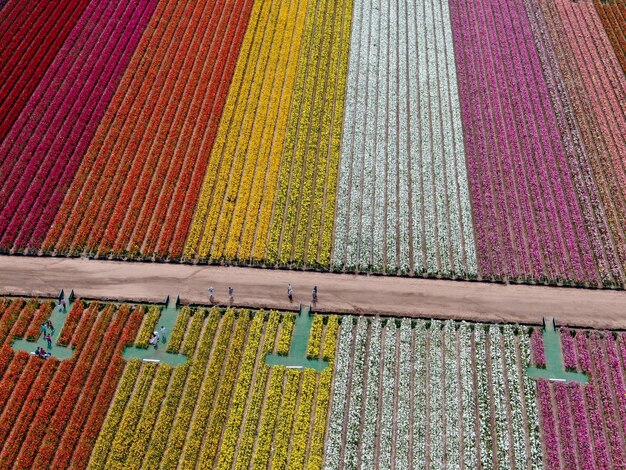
(436, 138)
(397, 393)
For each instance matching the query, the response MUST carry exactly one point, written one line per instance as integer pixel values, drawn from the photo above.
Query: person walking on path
(290, 293)
(49, 340)
(43, 329)
(163, 334)
(211, 290)
(64, 304)
(50, 326)
(314, 294)
(230, 294)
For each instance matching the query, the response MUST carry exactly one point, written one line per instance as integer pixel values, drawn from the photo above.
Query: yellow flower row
(258, 20)
(265, 437)
(238, 405)
(315, 337)
(254, 408)
(286, 330)
(250, 134)
(303, 218)
(148, 327)
(289, 140)
(164, 422)
(285, 421)
(109, 428)
(194, 381)
(191, 340)
(132, 414)
(143, 431)
(176, 338)
(221, 408)
(330, 339)
(242, 139)
(316, 450)
(323, 211)
(314, 145)
(300, 438)
(266, 144)
(254, 413)
(210, 383)
(295, 155)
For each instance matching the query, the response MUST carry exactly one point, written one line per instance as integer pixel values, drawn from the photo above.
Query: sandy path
(342, 293)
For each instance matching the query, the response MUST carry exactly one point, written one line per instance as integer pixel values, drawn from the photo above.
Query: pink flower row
(526, 213)
(586, 430)
(45, 152)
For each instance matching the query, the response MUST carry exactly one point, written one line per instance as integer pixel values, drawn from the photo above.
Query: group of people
(41, 352)
(47, 330)
(154, 338)
(231, 293)
(313, 293)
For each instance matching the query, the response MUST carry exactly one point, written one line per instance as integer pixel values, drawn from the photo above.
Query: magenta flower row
(527, 214)
(46, 144)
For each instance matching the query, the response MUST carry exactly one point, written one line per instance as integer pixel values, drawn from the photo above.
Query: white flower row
(403, 413)
(392, 383)
(484, 415)
(419, 395)
(340, 391)
(368, 438)
(468, 398)
(435, 395)
(499, 398)
(389, 386)
(451, 387)
(514, 385)
(356, 396)
(402, 112)
(530, 396)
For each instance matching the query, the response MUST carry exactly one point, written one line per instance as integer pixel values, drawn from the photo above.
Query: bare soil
(338, 293)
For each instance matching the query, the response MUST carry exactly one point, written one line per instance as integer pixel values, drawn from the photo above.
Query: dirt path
(340, 293)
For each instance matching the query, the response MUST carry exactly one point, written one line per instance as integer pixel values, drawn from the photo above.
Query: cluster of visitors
(47, 330)
(154, 339)
(231, 294)
(41, 352)
(290, 293)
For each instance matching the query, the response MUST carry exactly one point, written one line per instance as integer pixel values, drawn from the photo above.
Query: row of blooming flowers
(225, 407)
(404, 395)
(583, 425)
(403, 197)
(248, 146)
(52, 410)
(143, 170)
(49, 138)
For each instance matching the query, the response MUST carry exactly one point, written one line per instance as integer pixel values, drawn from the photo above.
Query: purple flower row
(573, 145)
(526, 213)
(68, 104)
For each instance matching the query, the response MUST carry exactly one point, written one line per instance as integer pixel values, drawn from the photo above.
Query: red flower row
(84, 362)
(189, 95)
(20, 427)
(74, 427)
(21, 326)
(105, 395)
(9, 318)
(71, 322)
(40, 317)
(23, 65)
(187, 190)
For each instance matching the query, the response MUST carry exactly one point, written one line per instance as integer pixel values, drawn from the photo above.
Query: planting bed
(395, 393)
(434, 137)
